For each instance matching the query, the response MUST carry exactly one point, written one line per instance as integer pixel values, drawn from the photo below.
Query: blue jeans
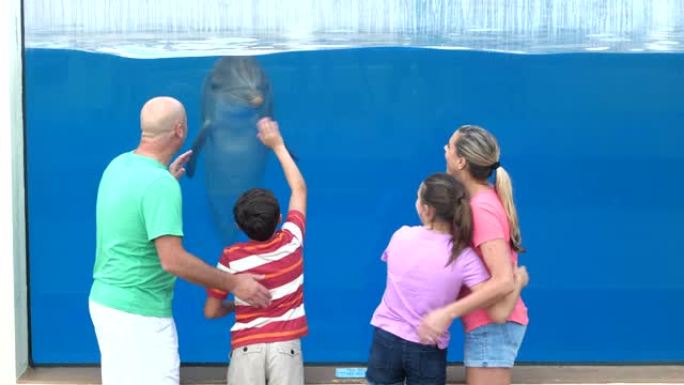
(394, 360)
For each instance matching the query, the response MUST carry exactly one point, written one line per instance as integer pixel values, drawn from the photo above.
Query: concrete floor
(212, 375)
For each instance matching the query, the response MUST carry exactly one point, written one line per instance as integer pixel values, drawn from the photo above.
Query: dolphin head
(236, 94)
(236, 88)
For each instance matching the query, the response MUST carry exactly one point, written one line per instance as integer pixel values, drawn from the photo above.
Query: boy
(265, 341)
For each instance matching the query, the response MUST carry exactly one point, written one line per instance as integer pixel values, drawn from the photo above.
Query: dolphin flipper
(197, 148)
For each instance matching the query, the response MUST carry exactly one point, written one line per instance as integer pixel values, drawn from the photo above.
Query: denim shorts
(394, 360)
(493, 345)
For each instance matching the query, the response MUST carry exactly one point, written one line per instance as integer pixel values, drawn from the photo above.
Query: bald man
(139, 254)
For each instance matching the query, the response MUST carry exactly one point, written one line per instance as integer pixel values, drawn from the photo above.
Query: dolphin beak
(256, 100)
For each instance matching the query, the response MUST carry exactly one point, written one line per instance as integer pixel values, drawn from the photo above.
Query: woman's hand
(522, 278)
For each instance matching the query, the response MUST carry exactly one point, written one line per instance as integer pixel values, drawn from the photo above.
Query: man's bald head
(161, 115)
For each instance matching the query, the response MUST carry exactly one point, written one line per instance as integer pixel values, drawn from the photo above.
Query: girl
(472, 155)
(426, 267)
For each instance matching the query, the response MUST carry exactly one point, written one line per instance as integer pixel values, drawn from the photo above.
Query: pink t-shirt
(419, 280)
(490, 223)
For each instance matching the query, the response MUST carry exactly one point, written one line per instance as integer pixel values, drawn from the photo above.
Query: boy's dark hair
(257, 213)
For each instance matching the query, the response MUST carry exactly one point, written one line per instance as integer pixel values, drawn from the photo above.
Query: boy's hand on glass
(269, 133)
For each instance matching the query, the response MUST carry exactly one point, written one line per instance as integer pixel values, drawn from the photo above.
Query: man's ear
(180, 128)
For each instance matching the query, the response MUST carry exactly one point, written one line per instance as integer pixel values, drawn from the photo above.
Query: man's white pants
(135, 349)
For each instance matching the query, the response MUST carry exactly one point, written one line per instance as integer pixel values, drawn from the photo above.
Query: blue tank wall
(592, 141)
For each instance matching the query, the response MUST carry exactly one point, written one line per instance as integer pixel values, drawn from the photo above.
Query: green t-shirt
(138, 200)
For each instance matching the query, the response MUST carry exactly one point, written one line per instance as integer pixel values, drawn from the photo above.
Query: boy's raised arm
(270, 136)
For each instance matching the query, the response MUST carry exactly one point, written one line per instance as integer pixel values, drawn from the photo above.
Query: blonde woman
(490, 348)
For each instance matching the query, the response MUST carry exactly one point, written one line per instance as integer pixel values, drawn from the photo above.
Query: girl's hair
(449, 198)
(482, 153)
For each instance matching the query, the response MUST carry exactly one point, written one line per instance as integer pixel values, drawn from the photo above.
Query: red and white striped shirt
(280, 261)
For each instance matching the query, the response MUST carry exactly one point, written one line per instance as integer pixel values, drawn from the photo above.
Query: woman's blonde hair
(482, 153)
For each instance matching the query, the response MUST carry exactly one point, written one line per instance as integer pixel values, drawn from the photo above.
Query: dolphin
(235, 95)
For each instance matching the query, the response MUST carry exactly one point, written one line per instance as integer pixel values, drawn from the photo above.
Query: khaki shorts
(273, 363)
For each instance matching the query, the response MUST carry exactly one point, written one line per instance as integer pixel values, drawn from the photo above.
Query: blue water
(592, 141)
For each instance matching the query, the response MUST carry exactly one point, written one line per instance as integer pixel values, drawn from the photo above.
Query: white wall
(13, 307)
